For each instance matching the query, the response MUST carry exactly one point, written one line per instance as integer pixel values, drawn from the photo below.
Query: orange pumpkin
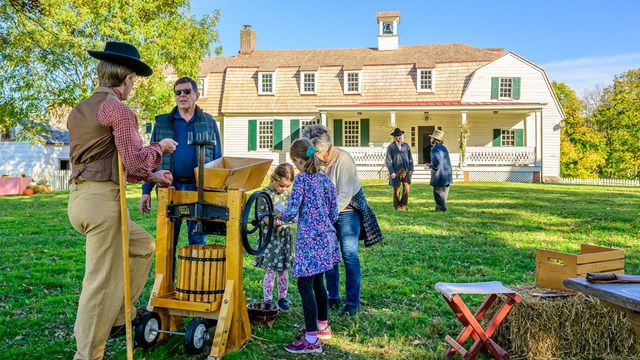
(28, 192)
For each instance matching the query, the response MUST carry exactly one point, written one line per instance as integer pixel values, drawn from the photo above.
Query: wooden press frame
(233, 329)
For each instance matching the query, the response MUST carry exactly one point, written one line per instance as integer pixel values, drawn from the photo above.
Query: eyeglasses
(185, 91)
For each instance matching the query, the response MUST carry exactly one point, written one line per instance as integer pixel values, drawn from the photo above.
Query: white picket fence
(603, 182)
(58, 179)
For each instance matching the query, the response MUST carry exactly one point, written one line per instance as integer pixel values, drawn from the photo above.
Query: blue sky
(582, 43)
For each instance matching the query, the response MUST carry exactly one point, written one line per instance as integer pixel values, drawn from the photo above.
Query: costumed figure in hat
(100, 128)
(441, 174)
(400, 164)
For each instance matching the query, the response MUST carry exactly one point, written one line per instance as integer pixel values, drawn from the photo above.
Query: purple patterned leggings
(268, 283)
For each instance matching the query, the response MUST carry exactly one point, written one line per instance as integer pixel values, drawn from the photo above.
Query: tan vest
(92, 147)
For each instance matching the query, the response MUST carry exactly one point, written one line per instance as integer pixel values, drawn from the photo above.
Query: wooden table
(623, 297)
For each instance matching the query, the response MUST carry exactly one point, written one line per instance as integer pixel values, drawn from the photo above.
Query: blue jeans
(193, 239)
(348, 229)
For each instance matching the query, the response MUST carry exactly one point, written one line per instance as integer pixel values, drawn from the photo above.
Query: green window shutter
(495, 84)
(497, 134)
(364, 132)
(337, 132)
(277, 134)
(516, 88)
(519, 137)
(253, 135)
(295, 130)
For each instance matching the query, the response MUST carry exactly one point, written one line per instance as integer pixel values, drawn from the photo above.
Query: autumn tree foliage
(44, 61)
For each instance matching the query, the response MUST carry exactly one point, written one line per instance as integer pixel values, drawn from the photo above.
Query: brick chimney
(247, 40)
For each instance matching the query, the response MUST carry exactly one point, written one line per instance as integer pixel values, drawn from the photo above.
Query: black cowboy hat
(397, 132)
(124, 54)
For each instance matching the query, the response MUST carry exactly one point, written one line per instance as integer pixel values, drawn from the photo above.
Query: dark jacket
(441, 174)
(397, 157)
(369, 228)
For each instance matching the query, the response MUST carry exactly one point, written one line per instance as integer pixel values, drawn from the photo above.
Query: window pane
(309, 82)
(352, 82)
(506, 87)
(425, 80)
(201, 86)
(305, 123)
(508, 138)
(265, 134)
(267, 83)
(351, 133)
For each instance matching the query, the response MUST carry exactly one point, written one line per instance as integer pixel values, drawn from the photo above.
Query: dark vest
(92, 147)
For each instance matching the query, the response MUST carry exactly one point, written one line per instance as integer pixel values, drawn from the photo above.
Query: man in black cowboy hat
(100, 128)
(400, 164)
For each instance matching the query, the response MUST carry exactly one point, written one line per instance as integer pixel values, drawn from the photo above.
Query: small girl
(279, 253)
(313, 200)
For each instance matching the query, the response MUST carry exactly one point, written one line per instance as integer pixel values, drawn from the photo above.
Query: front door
(424, 144)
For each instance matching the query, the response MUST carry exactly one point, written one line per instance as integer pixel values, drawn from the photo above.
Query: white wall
(24, 158)
(534, 88)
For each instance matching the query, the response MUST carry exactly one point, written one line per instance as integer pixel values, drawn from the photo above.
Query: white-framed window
(351, 134)
(202, 86)
(352, 82)
(266, 83)
(8, 134)
(305, 123)
(505, 90)
(309, 82)
(265, 134)
(508, 137)
(425, 80)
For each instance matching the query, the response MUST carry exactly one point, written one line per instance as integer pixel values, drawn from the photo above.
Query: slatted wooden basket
(201, 273)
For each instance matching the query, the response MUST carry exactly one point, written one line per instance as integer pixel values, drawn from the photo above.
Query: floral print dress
(313, 199)
(278, 255)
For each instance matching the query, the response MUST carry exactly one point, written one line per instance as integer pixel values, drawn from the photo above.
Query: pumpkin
(28, 192)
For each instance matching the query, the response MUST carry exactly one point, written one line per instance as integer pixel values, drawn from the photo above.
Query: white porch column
(538, 137)
(323, 118)
(392, 115)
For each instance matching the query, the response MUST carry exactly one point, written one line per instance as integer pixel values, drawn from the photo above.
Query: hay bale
(573, 327)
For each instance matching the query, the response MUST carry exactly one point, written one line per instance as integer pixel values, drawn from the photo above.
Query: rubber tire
(193, 341)
(149, 321)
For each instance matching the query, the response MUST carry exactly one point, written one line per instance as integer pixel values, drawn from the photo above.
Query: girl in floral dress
(278, 255)
(313, 200)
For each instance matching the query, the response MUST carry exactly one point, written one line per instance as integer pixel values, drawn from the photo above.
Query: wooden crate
(553, 266)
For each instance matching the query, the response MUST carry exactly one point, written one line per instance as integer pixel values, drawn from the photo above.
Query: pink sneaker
(302, 346)
(322, 334)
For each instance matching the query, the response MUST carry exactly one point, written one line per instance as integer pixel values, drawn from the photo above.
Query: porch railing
(513, 155)
(371, 156)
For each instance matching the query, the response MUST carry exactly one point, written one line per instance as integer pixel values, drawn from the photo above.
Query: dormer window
(352, 82)
(425, 80)
(505, 88)
(266, 83)
(308, 83)
(202, 86)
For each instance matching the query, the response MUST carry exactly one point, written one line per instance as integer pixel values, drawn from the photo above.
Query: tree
(618, 118)
(46, 68)
(581, 145)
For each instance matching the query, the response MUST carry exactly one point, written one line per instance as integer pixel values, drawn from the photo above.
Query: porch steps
(422, 174)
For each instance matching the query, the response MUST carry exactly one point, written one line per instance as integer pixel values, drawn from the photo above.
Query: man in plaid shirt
(100, 128)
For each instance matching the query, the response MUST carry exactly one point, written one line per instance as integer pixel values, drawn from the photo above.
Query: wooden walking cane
(124, 221)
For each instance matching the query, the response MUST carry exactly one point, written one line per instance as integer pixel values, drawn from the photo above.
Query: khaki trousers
(94, 210)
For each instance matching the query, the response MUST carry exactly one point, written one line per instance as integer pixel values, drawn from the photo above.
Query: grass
(490, 232)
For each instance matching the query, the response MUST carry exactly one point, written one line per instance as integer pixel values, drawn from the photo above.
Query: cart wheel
(147, 330)
(196, 336)
(260, 205)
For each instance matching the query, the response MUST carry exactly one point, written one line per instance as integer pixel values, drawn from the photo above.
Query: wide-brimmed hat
(397, 132)
(437, 134)
(124, 54)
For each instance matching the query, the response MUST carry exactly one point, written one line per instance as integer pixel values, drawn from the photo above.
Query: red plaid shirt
(138, 160)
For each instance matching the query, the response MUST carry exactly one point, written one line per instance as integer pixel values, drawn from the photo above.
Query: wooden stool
(470, 323)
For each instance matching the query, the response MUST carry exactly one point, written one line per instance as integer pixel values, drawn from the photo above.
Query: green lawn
(490, 232)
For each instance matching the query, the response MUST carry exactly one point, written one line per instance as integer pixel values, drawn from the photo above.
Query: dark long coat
(397, 157)
(441, 173)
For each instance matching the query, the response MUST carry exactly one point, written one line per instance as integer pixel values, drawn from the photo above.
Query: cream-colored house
(264, 98)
